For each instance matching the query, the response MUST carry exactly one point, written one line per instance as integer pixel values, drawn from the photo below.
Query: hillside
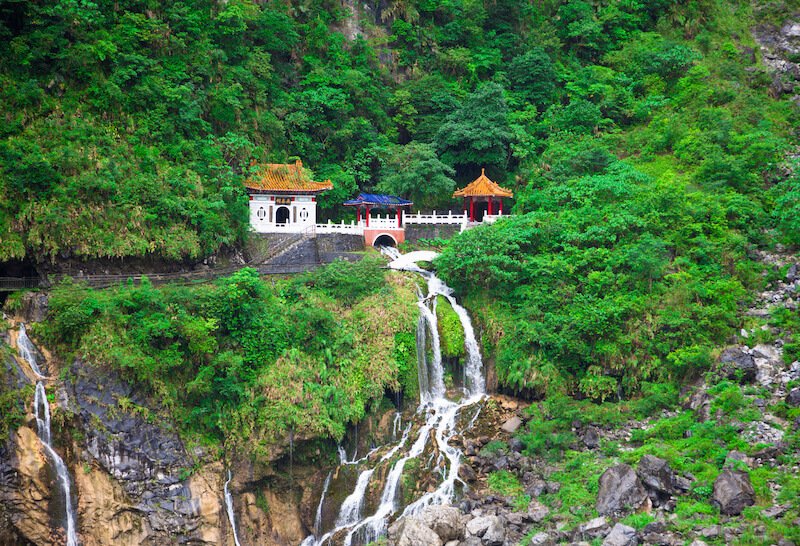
(128, 125)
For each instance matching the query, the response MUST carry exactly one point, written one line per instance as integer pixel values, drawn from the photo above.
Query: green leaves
(478, 133)
(415, 172)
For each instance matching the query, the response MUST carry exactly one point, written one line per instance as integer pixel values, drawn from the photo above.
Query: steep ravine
(135, 480)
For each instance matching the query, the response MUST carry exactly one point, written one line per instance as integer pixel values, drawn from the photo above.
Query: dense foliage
(245, 361)
(128, 125)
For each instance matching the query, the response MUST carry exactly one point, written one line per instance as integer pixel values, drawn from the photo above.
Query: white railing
(492, 218)
(352, 228)
(434, 218)
(380, 222)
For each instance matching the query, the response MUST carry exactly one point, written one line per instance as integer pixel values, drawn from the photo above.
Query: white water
(41, 409)
(350, 512)
(27, 351)
(438, 411)
(229, 508)
(318, 518)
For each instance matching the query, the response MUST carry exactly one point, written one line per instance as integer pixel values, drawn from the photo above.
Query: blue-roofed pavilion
(368, 201)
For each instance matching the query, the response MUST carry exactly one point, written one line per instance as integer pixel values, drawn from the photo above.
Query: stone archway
(384, 239)
(282, 215)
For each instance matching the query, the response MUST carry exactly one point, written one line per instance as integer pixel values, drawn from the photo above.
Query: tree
(415, 171)
(478, 133)
(532, 76)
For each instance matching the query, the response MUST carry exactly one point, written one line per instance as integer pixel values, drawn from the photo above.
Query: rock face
(620, 491)
(793, 398)
(25, 491)
(138, 494)
(733, 492)
(738, 364)
(445, 521)
(657, 477)
(780, 47)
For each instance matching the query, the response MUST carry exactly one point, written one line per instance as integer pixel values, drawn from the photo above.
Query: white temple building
(283, 198)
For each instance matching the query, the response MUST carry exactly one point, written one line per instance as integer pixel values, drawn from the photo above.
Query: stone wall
(339, 242)
(415, 232)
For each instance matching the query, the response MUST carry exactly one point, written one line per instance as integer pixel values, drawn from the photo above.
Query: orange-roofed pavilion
(283, 198)
(483, 190)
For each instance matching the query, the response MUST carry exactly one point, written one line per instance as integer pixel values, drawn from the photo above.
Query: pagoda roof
(377, 200)
(284, 178)
(483, 187)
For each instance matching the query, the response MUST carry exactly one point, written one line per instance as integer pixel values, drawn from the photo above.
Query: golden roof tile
(483, 187)
(284, 178)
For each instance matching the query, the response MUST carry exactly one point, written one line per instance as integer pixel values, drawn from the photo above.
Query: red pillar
(399, 216)
(367, 216)
(489, 210)
(500, 211)
(358, 214)
(471, 209)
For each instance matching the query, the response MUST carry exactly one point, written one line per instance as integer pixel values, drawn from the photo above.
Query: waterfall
(439, 414)
(27, 351)
(229, 508)
(41, 409)
(350, 512)
(318, 518)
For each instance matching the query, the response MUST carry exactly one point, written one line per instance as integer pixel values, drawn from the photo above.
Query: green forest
(648, 149)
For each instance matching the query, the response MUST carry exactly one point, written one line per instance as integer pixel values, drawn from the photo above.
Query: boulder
(596, 528)
(733, 492)
(793, 398)
(591, 437)
(621, 535)
(446, 521)
(512, 424)
(738, 364)
(620, 491)
(471, 541)
(410, 531)
(489, 528)
(656, 475)
(537, 511)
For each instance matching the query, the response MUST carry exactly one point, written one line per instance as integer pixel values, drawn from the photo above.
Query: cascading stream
(229, 508)
(41, 409)
(439, 413)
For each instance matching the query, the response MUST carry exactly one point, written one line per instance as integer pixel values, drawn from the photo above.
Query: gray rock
(656, 475)
(621, 535)
(410, 531)
(512, 424)
(793, 273)
(515, 444)
(470, 541)
(553, 487)
(537, 511)
(738, 364)
(489, 528)
(542, 539)
(698, 543)
(445, 521)
(733, 492)
(591, 437)
(620, 491)
(596, 528)
(775, 511)
(793, 398)
(535, 488)
(711, 532)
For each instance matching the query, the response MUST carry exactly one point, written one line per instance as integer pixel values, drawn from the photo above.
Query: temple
(283, 198)
(480, 196)
(380, 231)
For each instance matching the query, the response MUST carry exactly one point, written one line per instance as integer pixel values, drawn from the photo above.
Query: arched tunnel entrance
(384, 240)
